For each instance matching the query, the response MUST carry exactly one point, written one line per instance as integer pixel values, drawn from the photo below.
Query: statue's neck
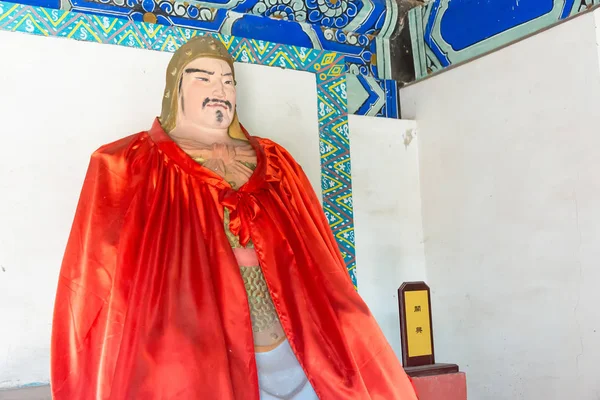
(194, 138)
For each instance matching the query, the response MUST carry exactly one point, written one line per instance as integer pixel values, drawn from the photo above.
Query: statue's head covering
(196, 47)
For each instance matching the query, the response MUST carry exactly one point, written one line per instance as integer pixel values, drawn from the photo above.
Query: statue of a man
(200, 265)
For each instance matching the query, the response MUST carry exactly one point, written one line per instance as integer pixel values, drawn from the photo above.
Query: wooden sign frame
(419, 365)
(408, 361)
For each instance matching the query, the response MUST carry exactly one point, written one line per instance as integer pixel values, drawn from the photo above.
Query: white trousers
(280, 376)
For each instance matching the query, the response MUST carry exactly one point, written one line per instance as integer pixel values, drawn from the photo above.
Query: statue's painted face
(206, 94)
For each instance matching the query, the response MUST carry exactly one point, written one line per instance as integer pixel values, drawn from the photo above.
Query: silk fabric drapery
(151, 304)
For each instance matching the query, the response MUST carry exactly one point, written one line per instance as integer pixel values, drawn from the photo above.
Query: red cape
(151, 303)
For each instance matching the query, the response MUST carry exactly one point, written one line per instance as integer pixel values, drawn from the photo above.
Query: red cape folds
(151, 304)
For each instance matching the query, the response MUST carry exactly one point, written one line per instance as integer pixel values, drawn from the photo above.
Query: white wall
(387, 215)
(60, 100)
(511, 214)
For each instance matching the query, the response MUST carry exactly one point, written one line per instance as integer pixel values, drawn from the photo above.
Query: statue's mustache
(207, 100)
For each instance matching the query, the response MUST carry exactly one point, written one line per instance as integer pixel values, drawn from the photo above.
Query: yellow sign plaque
(418, 328)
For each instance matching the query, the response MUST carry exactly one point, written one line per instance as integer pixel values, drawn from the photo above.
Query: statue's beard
(220, 116)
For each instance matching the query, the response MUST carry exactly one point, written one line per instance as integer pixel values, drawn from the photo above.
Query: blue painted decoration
(447, 32)
(487, 18)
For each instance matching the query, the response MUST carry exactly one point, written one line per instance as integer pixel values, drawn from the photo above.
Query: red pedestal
(441, 387)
